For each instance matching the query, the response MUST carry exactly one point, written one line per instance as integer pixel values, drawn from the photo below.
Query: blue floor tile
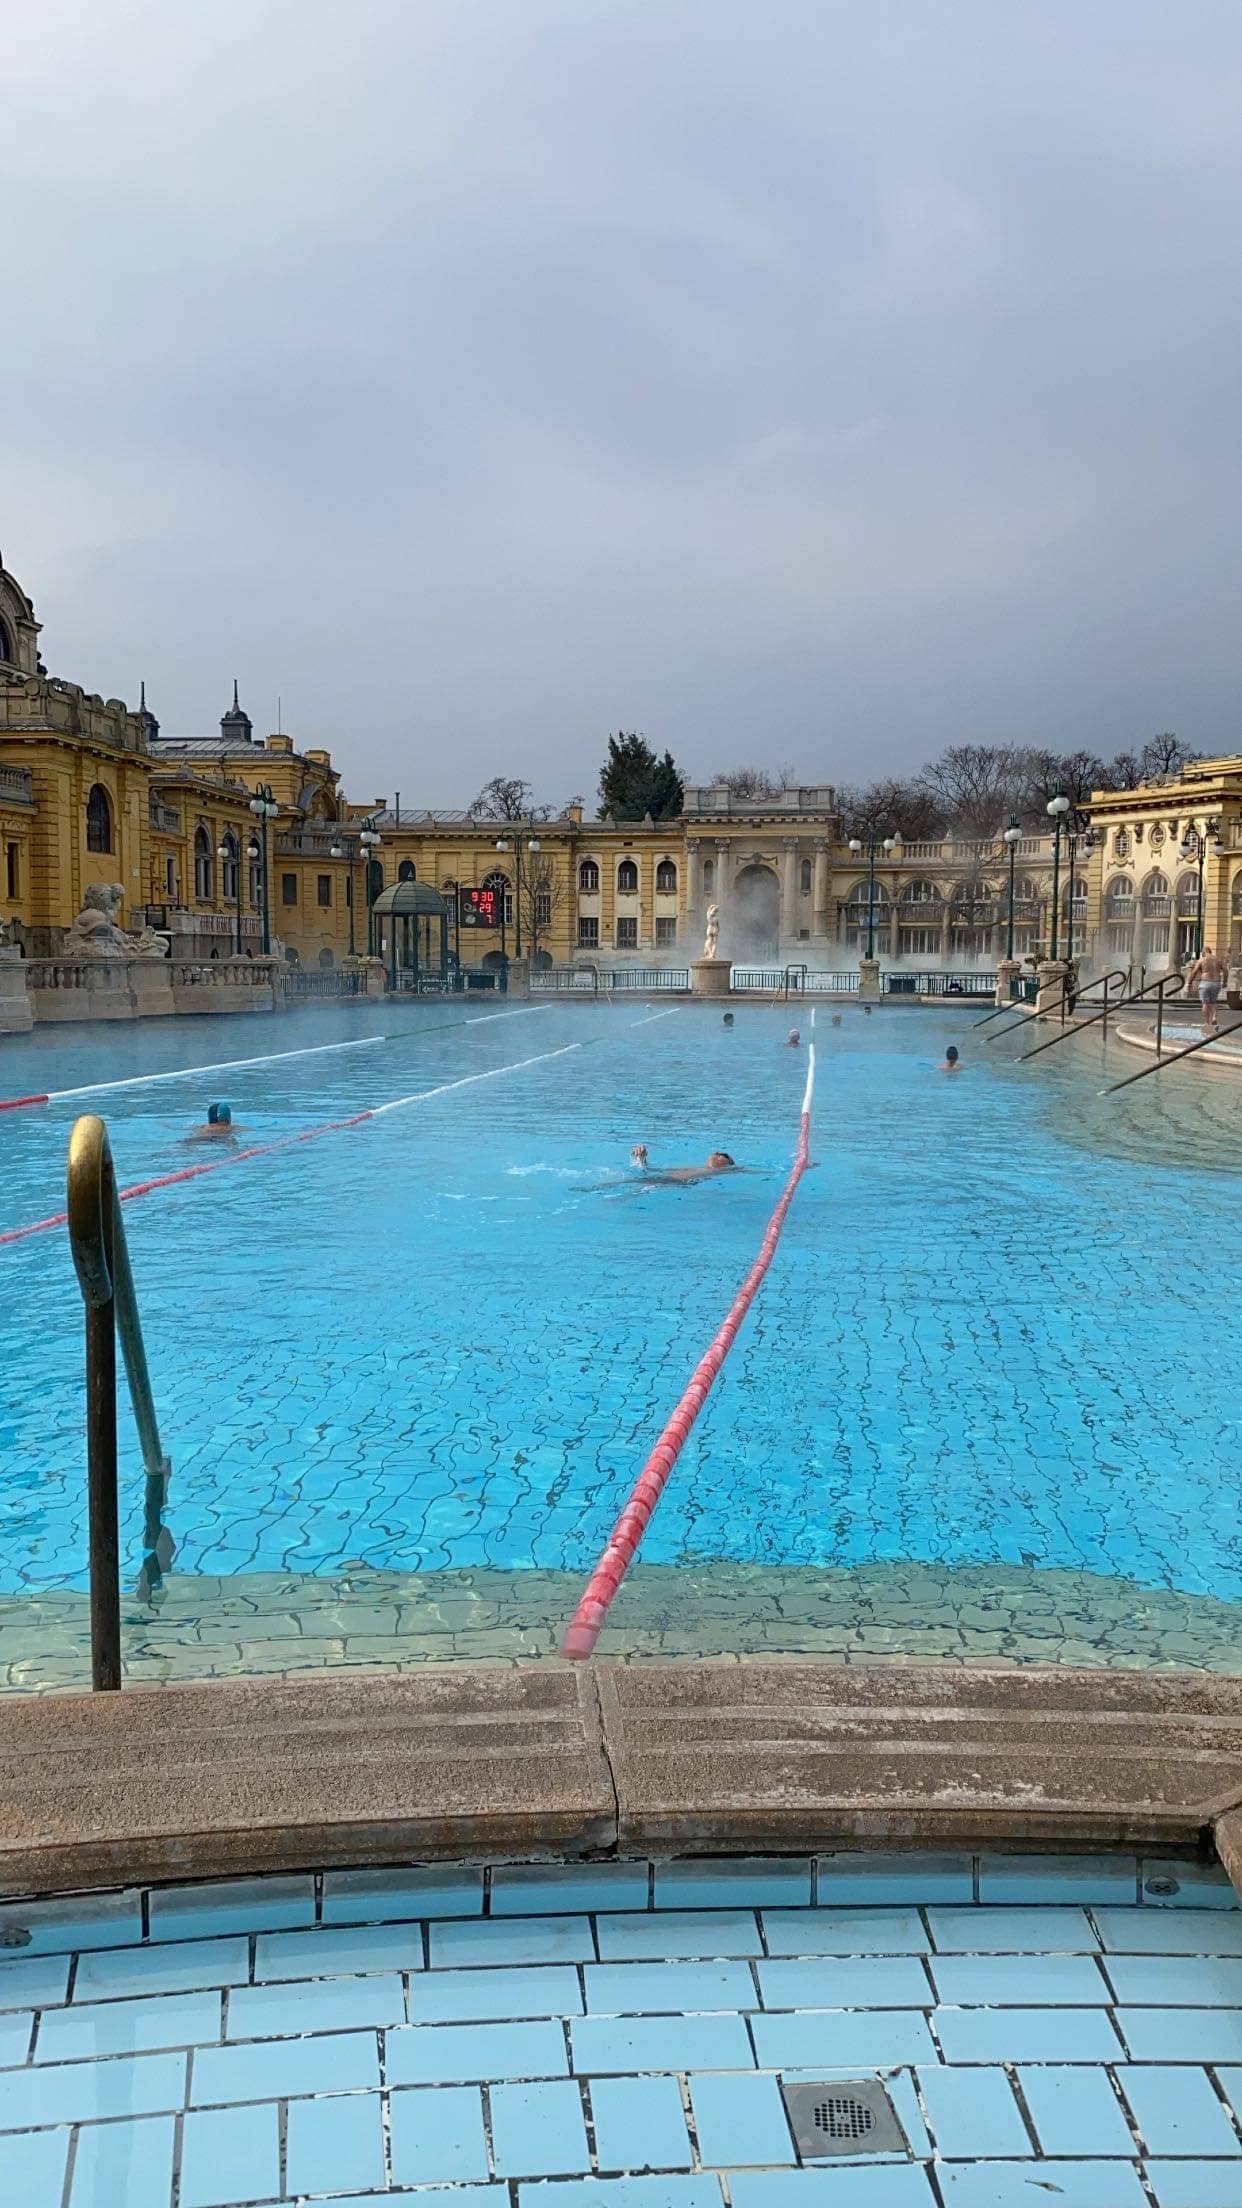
(1012, 1932)
(1058, 1878)
(276, 2069)
(1198, 1885)
(851, 1877)
(512, 1940)
(545, 1889)
(538, 2130)
(57, 1927)
(33, 2169)
(1170, 1931)
(653, 1989)
(33, 1981)
(315, 2005)
(845, 1932)
(230, 1905)
(16, 2026)
(1231, 2083)
(640, 2124)
(129, 2162)
(483, 1996)
(1182, 2035)
(1177, 1981)
(1076, 2112)
(1019, 1981)
(1196, 2184)
(879, 1982)
(740, 2120)
(893, 2186)
(1027, 2035)
(759, 1884)
(622, 2192)
(437, 2135)
(230, 2155)
(182, 1966)
(79, 2092)
(432, 1890)
(335, 2144)
(973, 2113)
(337, 1950)
(618, 2044)
(833, 2039)
(1177, 2110)
(453, 2196)
(672, 1936)
(457, 2054)
(128, 2027)
(1041, 2185)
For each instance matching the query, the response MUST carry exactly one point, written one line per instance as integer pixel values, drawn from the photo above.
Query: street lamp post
(228, 849)
(1012, 836)
(533, 845)
(369, 838)
(253, 856)
(264, 806)
(1058, 807)
(874, 844)
(341, 851)
(1195, 845)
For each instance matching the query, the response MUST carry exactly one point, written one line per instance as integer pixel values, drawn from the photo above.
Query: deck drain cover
(843, 2116)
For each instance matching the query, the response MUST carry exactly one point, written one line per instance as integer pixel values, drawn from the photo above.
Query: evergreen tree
(634, 782)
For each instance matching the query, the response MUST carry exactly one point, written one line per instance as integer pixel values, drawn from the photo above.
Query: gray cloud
(811, 382)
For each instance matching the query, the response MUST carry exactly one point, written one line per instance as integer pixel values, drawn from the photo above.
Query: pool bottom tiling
(975, 2032)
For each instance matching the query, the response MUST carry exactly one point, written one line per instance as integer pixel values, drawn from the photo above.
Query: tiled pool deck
(1057, 2031)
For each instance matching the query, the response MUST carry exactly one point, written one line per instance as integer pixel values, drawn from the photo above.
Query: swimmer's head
(728, 1019)
(638, 1155)
(950, 1056)
(720, 1158)
(793, 1039)
(836, 1019)
(219, 1115)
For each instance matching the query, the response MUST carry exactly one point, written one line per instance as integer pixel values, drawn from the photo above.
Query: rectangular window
(10, 869)
(288, 889)
(627, 935)
(666, 929)
(588, 935)
(543, 908)
(325, 889)
(170, 877)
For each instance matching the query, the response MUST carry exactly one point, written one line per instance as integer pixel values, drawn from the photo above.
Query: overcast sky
(793, 381)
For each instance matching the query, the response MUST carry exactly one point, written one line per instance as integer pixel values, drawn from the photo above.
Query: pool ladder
(101, 1261)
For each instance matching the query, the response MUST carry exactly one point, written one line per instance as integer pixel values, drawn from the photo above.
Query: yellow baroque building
(1169, 877)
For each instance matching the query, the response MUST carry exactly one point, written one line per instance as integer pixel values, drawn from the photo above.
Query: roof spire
(236, 708)
(142, 697)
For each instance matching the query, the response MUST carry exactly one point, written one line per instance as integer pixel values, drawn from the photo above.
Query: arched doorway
(753, 920)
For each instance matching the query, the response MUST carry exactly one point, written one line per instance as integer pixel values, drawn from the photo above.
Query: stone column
(721, 891)
(789, 890)
(819, 901)
(944, 934)
(694, 883)
(16, 1012)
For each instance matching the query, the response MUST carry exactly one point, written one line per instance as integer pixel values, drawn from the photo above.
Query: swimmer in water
(952, 1063)
(867, 1010)
(836, 1019)
(728, 1019)
(793, 1039)
(669, 1176)
(218, 1126)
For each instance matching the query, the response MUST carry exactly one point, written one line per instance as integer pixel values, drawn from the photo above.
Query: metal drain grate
(843, 2116)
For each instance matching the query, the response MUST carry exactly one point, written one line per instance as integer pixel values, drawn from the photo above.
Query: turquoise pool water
(1000, 1328)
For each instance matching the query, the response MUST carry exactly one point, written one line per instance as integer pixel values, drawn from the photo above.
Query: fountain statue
(96, 933)
(713, 931)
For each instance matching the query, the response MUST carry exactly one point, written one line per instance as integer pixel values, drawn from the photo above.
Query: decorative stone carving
(96, 932)
(713, 931)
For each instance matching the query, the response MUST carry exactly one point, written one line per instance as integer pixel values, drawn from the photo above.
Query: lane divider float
(186, 1073)
(584, 1628)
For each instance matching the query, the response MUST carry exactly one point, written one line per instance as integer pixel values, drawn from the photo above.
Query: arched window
(204, 866)
(1075, 893)
(921, 892)
(6, 644)
(326, 959)
(709, 875)
(499, 882)
(627, 879)
(1188, 897)
(858, 896)
(1121, 843)
(1026, 895)
(666, 878)
(972, 903)
(98, 819)
(804, 877)
(407, 872)
(588, 877)
(1157, 902)
(1119, 899)
(1236, 906)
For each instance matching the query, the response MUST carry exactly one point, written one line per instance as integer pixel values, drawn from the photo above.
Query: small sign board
(478, 908)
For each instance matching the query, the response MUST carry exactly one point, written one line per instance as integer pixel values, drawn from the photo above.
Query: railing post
(101, 1475)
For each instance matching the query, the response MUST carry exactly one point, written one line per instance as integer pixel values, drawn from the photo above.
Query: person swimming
(952, 1062)
(728, 1019)
(677, 1176)
(793, 1039)
(836, 1019)
(217, 1127)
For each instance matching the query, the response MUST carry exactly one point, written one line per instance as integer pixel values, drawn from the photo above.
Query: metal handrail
(1115, 973)
(101, 1261)
(1217, 1036)
(1161, 983)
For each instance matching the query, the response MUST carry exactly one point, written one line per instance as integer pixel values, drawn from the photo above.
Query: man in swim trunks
(217, 1127)
(683, 1176)
(1210, 972)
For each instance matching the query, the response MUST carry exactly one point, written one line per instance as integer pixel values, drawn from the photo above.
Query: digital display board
(478, 908)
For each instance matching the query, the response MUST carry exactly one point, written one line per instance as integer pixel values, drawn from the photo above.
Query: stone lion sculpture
(96, 932)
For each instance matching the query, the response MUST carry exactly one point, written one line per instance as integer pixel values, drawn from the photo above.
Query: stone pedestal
(1049, 998)
(1007, 972)
(868, 980)
(150, 988)
(709, 977)
(16, 1012)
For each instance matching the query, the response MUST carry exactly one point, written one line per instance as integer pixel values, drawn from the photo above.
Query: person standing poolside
(1209, 971)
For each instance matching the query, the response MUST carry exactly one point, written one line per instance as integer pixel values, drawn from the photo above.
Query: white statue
(96, 932)
(713, 931)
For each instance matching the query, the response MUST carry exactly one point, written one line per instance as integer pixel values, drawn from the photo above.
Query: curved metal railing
(1122, 1004)
(101, 1261)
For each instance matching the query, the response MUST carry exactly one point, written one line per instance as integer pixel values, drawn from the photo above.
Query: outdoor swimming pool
(994, 1353)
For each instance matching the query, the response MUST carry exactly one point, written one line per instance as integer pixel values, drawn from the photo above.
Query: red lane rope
(619, 1551)
(18, 1103)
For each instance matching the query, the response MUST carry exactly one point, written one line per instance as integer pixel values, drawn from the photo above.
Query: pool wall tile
(973, 2113)
(1199, 1885)
(1182, 2035)
(1177, 1981)
(1055, 1879)
(1177, 2110)
(318, 2005)
(1053, 2184)
(531, 1889)
(1148, 1931)
(124, 2162)
(438, 2135)
(866, 1982)
(33, 2169)
(1027, 2035)
(640, 2124)
(336, 1950)
(80, 2092)
(175, 1966)
(1019, 1981)
(493, 1940)
(647, 1989)
(230, 2156)
(430, 1890)
(276, 2069)
(672, 1937)
(892, 2185)
(128, 2027)
(621, 2192)
(1196, 2184)
(1002, 1931)
(16, 2026)
(758, 1884)
(845, 1932)
(457, 2054)
(63, 1927)
(334, 2144)
(538, 2130)
(626, 2043)
(852, 1877)
(835, 2039)
(230, 1905)
(34, 1981)
(1075, 2111)
(740, 2120)
(495, 1996)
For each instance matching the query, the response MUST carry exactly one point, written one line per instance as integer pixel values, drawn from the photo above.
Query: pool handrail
(1217, 1036)
(1115, 973)
(1160, 984)
(101, 1261)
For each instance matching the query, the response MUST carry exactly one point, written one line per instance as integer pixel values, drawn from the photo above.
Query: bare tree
(892, 807)
(508, 797)
(759, 781)
(978, 786)
(545, 892)
(1165, 754)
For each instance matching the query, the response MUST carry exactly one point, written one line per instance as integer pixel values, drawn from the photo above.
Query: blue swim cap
(219, 1115)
